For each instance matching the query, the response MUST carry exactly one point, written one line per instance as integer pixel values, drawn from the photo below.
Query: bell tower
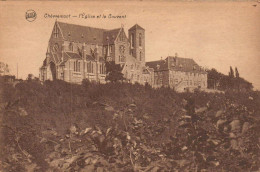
(136, 35)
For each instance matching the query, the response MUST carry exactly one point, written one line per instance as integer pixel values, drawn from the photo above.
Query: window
(102, 71)
(140, 56)
(110, 49)
(56, 31)
(104, 50)
(62, 75)
(140, 39)
(89, 67)
(132, 40)
(76, 66)
(121, 37)
(55, 48)
(71, 47)
(131, 52)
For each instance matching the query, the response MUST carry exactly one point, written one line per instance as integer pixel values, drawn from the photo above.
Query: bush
(118, 127)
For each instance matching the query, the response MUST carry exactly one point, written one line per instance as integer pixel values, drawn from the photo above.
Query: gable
(121, 36)
(56, 32)
(110, 36)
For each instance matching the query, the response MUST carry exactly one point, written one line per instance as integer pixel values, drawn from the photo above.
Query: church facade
(79, 52)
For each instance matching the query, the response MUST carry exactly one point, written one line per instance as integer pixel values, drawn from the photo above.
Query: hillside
(57, 126)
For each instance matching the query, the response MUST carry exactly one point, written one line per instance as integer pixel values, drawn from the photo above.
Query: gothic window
(140, 39)
(104, 50)
(140, 56)
(89, 67)
(55, 48)
(101, 69)
(110, 48)
(71, 46)
(121, 36)
(56, 32)
(132, 40)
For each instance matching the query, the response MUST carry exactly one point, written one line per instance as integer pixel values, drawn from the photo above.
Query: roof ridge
(136, 26)
(112, 30)
(82, 26)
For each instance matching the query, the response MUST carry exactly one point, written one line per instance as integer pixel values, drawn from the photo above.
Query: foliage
(58, 126)
(217, 80)
(114, 73)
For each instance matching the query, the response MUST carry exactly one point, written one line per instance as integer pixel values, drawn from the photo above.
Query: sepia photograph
(130, 86)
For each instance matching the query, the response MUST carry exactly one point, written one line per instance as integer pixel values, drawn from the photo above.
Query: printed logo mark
(30, 15)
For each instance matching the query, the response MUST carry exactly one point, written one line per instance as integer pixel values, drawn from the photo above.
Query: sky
(215, 34)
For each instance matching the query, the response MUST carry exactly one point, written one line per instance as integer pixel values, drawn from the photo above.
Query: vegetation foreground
(57, 126)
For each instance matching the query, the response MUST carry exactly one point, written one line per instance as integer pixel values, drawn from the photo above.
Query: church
(78, 52)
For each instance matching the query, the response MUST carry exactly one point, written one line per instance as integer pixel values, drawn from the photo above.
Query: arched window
(140, 39)
(71, 47)
(56, 31)
(132, 40)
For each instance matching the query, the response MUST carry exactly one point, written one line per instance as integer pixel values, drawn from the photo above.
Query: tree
(29, 77)
(237, 74)
(214, 78)
(114, 73)
(4, 69)
(231, 72)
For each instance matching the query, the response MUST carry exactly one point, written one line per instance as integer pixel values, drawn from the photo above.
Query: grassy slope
(30, 110)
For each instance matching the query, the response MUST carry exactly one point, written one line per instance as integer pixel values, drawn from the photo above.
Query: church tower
(136, 35)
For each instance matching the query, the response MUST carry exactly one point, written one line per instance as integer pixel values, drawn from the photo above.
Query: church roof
(77, 33)
(136, 26)
(85, 34)
(73, 55)
(110, 36)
